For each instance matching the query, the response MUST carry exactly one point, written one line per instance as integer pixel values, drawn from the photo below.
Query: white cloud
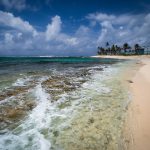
(100, 17)
(14, 4)
(8, 38)
(19, 35)
(21, 38)
(68, 40)
(122, 28)
(54, 28)
(83, 30)
(9, 20)
(53, 32)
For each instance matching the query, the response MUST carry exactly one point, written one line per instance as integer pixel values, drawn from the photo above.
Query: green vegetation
(124, 50)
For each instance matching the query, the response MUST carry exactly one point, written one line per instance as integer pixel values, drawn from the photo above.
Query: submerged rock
(11, 117)
(14, 113)
(91, 120)
(13, 92)
(58, 86)
(30, 105)
(56, 133)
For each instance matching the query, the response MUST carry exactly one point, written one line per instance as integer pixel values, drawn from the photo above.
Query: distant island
(126, 49)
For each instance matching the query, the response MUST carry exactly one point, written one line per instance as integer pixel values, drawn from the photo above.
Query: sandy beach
(138, 120)
(140, 107)
(89, 102)
(141, 57)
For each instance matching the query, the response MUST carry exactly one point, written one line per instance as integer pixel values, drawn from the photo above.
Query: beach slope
(140, 107)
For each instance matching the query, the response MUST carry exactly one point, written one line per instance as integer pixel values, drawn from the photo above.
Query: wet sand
(138, 120)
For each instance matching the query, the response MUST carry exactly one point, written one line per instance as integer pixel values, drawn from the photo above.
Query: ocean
(62, 103)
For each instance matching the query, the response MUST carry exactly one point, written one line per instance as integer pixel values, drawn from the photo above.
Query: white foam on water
(5, 100)
(95, 84)
(35, 132)
(21, 81)
(29, 134)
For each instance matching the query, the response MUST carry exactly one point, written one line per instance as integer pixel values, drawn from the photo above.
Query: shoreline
(140, 118)
(137, 124)
(93, 113)
(136, 57)
(104, 114)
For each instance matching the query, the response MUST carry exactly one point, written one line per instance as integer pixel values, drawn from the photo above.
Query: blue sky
(71, 27)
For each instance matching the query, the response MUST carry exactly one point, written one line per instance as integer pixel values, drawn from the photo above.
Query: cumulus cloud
(14, 4)
(54, 28)
(19, 37)
(132, 28)
(53, 32)
(8, 38)
(9, 20)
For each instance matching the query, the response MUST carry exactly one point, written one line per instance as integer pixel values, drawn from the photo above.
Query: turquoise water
(62, 103)
(56, 59)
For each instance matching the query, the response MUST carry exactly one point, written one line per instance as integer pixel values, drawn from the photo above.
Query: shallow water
(61, 103)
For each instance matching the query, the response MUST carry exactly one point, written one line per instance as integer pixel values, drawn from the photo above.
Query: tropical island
(126, 49)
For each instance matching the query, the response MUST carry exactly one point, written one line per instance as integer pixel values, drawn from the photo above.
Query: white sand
(138, 121)
(122, 57)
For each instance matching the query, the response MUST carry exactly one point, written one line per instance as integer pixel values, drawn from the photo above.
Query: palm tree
(107, 44)
(137, 48)
(103, 50)
(117, 49)
(113, 50)
(99, 51)
(125, 46)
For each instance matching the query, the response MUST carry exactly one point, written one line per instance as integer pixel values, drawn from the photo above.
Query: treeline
(116, 50)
